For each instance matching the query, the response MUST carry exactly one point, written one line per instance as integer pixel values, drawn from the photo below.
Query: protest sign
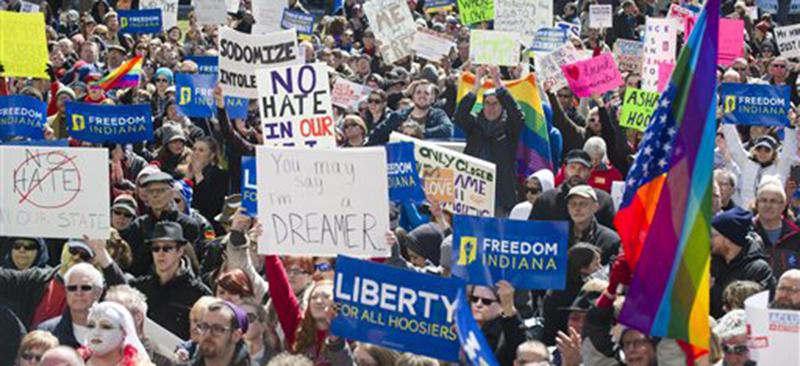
(23, 45)
(456, 181)
(475, 11)
(240, 55)
(232, 5)
(295, 105)
(548, 40)
(347, 94)
(394, 308)
(249, 186)
(637, 107)
(21, 115)
(490, 47)
(168, 9)
(664, 74)
(595, 75)
(205, 64)
(54, 192)
(755, 104)
(323, 203)
(574, 28)
(140, 21)
(394, 26)
(617, 190)
(470, 335)
(548, 68)
(531, 255)
(685, 18)
(433, 6)
(600, 16)
(432, 47)
(55, 143)
(731, 41)
(122, 124)
(629, 55)
(26, 7)
(523, 16)
(210, 12)
(301, 22)
(267, 14)
(769, 6)
(195, 94)
(772, 334)
(788, 39)
(660, 40)
(404, 182)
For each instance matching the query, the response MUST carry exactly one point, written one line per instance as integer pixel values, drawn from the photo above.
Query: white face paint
(105, 335)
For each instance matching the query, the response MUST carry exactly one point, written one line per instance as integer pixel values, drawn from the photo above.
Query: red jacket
(601, 177)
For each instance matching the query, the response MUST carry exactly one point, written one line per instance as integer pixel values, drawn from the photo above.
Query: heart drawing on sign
(572, 72)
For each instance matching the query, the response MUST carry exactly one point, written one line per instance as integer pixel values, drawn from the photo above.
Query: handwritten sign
(548, 68)
(394, 26)
(323, 204)
(637, 107)
(210, 12)
(475, 11)
(788, 39)
(494, 47)
(660, 40)
(523, 16)
(685, 17)
(268, 14)
(629, 55)
(769, 6)
(595, 75)
(168, 9)
(773, 334)
(432, 47)
(240, 55)
(600, 16)
(347, 94)
(23, 45)
(295, 105)
(459, 182)
(54, 192)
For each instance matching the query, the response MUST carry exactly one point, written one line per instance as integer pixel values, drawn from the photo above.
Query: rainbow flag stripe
(665, 216)
(533, 151)
(125, 76)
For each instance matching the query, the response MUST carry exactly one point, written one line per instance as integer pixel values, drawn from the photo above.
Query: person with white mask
(112, 339)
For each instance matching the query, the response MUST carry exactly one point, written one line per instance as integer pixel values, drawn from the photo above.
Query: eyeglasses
(23, 246)
(374, 101)
(790, 289)
(165, 248)
(252, 317)
(84, 256)
(764, 201)
(122, 213)
(31, 357)
(215, 329)
(779, 66)
(323, 267)
(738, 349)
(83, 288)
(482, 300)
(161, 80)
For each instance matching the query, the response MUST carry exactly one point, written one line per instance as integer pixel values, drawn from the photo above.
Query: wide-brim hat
(229, 208)
(169, 231)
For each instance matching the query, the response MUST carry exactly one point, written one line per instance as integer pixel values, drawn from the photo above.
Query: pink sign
(664, 74)
(731, 40)
(595, 75)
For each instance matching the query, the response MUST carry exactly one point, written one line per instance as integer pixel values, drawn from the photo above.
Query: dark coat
(504, 335)
(437, 126)
(61, 327)
(603, 238)
(785, 254)
(12, 334)
(495, 142)
(555, 318)
(169, 304)
(240, 357)
(140, 229)
(552, 205)
(209, 195)
(750, 265)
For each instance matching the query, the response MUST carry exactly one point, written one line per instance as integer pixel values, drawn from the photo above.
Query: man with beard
(221, 331)
(787, 294)
(434, 121)
(552, 204)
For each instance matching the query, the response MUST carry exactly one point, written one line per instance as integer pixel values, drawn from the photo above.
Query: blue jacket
(437, 126)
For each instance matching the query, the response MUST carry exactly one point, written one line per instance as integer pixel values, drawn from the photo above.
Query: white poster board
(523, 16)
(295, 106)
(54, 192)
(459, 182)
(169, 11)
(548, 68)
(600, 16)
(268, 14)
(394, 26)
(660, 39)
(323, 203)
(488, 47)
(431, 47)
(210, 12)
(788, 39)
(240, 55)
(347, 94)
(773, 335)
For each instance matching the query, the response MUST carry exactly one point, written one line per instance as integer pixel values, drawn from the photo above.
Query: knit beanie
(165, 72)
(734, 224)
(426, 240)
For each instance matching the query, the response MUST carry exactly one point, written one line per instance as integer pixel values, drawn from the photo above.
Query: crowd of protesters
(182, 252)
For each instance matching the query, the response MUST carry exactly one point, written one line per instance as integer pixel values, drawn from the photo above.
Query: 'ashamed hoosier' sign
(397, 309)
(754, 104)
(21, 115)
(240, 55)
(122, 124)
(323, 203)
(637, 107)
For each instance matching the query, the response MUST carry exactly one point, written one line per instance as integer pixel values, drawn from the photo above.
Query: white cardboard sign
(394, 26)
(240, 55)
(660, 39)
(773, 335)
(523, 16)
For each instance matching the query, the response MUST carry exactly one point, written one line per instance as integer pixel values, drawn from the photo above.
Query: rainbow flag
(125, 76)
(533, 151)
(665, 216)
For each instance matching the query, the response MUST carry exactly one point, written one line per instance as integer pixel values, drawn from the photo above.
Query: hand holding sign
(505, 291)
(100, 248)
(219, 97)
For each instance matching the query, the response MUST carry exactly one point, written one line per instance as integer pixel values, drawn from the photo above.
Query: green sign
(637, 107)
(475, 11)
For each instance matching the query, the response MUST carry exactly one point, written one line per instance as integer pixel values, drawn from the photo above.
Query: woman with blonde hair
(33, 346)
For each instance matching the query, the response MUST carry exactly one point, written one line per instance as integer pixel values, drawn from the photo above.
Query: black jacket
(495, 142)
(552, 205)
(785, 253)
(602, 237)
(209, 195)
(61, 327)
(750, 265)
(11, 337)
(140, 229)
(555, 318)
(437, 126)
(169, 304)
(240, 357)
(504, 335)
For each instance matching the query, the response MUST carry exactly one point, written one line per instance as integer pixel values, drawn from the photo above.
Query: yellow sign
(78, 123)
(469, 247)
(186, 96)
(23, 45)
(730, 103)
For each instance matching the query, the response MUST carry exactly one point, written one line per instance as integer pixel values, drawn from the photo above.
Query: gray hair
(595, 146)
(129, 297)
(88, 270)
(727, 174)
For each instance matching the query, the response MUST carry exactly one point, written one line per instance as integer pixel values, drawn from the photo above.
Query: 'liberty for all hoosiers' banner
(99, 124)
(21, 115)
(529, 254)
(751, 104)
(398, 309)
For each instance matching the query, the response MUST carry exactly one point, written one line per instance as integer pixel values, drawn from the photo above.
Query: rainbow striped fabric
(533, 151)
(125, 76)
(665, 216)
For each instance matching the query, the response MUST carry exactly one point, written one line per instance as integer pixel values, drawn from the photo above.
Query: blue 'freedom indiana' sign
(140, 21)
(404, 182)
(755, 104)
(528, 254)
(99, 124)
(196, 97)
(21, 115)
(395, 308)
(249, 188)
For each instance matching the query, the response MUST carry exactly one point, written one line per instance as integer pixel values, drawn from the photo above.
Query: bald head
(787, 294)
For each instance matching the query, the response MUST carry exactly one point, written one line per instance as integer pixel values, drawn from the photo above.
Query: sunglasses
(122, 213)
(165, 249)
(323, 267)
(83, 288)
(779, 66)
(21, 246)
(161, 80)
(80, 253)
(31, 357)
(482, 300)
(374, 101)
(739, 349)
